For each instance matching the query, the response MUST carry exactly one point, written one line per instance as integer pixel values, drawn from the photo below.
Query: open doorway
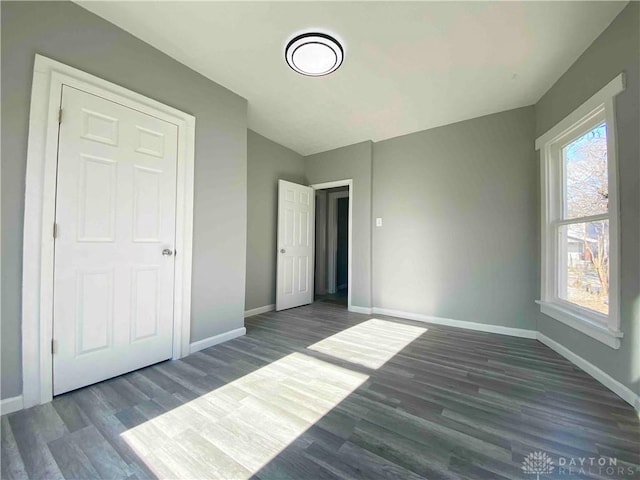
(332, 245)
(302, 252)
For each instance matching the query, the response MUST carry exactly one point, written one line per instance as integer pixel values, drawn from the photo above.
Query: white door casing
(295, 259)
(114, 245)
(320, 276)
(49, 77)
(352, 195)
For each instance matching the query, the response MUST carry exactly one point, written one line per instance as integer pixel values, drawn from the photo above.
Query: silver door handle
(282, 250)
(167, 252)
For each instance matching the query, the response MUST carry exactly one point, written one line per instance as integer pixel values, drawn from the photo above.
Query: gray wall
(458, 205)
(352, 162)
(267, 162)
(616, 50)
(70, 34)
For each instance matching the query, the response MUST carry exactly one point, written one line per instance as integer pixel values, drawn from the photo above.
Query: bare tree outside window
(580, 221)
(585, 244)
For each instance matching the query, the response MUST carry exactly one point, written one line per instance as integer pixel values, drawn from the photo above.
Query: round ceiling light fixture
(314, 54)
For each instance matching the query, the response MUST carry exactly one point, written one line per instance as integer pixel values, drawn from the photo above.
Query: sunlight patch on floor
(233, 431)
(371, 343)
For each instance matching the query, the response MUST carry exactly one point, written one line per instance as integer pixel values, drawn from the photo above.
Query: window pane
(584, 267)
(586, 184)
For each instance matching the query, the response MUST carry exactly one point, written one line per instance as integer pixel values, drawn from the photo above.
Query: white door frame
(332, 239)
(343, 183)
(320, 253)
(38, 249)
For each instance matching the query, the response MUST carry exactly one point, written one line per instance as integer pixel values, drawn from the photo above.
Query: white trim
(614, 214)
(11, 404)
(587, 219)
(38, 261)
(610, 90)
(259, 310)
(216, 339)
(605, 379)
(363, 310)
(343, 183)
(332, 239)
(599, 108)
(615, 386)
(320, 245)
(334, 184)
(583, 324)
(482, 327)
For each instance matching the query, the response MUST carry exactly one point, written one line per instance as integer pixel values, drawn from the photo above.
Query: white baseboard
(259, 310)
(271, 308)
(216, 339)
(11, 404)
(364, 310)
(482, 327)
(612, 384)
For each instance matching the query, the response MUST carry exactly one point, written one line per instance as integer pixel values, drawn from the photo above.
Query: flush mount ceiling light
(314, 54)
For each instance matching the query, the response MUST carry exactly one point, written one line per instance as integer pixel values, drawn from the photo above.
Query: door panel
(145, 302)
(96, 199)
(296, 223)
(94, 324)
(115, 213)
(147, 202)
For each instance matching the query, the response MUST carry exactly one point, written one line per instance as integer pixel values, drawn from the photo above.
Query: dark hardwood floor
(320, 393)
(339, 298)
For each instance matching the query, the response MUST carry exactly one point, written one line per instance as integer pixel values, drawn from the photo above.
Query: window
(580, 219)
(583, 226)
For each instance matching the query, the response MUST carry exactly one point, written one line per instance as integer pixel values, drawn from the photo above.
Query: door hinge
(59, 116)
(55, 230)
(54, 346)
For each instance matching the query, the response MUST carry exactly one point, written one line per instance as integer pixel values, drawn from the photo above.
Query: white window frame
(598, 109)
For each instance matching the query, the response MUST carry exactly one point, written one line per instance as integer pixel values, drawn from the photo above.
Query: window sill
(581, 323)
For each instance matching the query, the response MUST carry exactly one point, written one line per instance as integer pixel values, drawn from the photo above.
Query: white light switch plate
(379, 222)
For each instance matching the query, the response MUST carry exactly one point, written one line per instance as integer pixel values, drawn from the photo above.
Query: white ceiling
(408, 66)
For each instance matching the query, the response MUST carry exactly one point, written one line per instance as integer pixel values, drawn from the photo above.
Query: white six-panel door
(296, 226)
(114, 246)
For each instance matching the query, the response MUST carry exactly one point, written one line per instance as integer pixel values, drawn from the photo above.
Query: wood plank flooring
(320, 393)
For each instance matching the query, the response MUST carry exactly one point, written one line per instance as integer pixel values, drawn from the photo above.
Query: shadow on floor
(339, 298)
(319, 392)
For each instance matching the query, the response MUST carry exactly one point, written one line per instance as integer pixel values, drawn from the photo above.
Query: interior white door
(296, 225)
(114, 246)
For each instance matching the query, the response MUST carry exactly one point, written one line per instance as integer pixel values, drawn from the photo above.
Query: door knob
(282, 250)
(167, 252)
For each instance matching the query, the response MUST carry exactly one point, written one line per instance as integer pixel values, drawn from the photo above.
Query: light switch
(378, 221)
